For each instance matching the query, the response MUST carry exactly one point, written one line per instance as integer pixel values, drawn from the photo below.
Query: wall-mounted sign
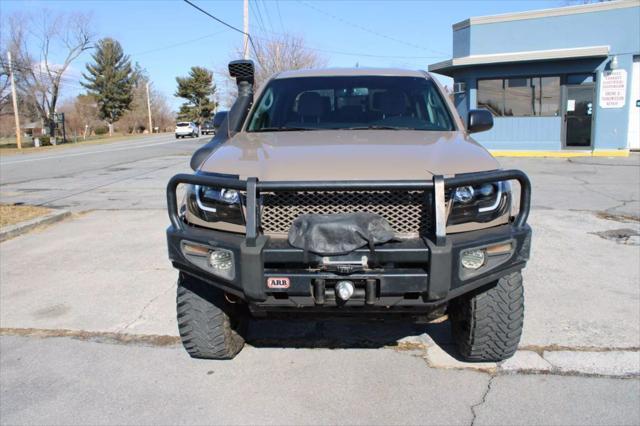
(613, 89)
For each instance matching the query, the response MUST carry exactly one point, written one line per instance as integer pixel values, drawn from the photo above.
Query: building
(559, 82)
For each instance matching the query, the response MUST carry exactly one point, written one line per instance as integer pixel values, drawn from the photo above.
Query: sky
(168, 37)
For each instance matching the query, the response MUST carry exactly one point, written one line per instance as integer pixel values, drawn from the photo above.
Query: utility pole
(245, 52)
(149, 110)
(15, 103)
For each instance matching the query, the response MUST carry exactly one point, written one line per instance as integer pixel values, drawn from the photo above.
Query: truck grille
(406, 211)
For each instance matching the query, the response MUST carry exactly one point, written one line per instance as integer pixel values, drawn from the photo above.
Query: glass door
(578, 115)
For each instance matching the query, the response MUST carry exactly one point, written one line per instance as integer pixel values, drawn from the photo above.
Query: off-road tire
(487, 324)
(210, 327)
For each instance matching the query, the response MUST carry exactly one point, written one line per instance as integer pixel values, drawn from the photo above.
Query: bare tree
(273, 55)
(41, 78)
(282, 53)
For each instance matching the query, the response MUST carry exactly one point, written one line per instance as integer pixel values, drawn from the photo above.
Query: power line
(339, 52)
(369, 30)
(256, 11)
(266, 11)
(227, 25)
(181, 43)
(279, 14)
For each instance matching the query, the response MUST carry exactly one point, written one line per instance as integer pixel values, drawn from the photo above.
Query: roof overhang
(446, 67)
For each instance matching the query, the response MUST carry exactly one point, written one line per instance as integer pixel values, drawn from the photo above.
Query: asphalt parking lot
(88, 333)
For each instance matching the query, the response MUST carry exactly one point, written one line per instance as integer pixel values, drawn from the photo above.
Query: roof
(346, 72)
(545, 13)
(449, 65)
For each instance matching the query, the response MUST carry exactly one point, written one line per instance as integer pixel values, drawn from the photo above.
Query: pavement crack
(94, 336)
(144, 308)
(474, 414)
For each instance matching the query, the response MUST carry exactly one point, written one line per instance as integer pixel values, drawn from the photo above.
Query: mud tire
(210, 327)
(487, 324)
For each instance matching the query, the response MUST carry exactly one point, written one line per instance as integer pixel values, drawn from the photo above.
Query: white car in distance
(187, 128)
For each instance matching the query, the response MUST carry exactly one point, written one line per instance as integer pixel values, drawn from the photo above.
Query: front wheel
(487, 323)
(210, 326)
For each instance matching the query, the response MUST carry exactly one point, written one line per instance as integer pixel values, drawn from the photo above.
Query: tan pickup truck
(348, 192)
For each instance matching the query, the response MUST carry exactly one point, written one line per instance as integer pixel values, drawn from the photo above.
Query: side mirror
(479, 120)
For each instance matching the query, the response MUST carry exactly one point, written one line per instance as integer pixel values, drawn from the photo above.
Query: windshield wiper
(284, 129)
(374, 127)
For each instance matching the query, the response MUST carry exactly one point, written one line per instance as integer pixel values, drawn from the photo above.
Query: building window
(520, 97)
(491, 96)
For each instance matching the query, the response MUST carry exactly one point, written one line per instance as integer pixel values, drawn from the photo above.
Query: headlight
(479, 203)
(215, 204)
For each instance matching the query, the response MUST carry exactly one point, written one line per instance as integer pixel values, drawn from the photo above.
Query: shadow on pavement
(348, 333)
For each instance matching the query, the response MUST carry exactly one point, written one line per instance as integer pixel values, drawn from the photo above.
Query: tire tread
(205, 321)
(487, 325)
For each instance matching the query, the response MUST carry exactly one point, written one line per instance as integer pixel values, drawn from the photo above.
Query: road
(97, 176)
(88, 334)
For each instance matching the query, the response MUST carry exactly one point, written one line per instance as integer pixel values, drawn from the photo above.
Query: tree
(283, 53)
(40, 80)
(136, 119)
(198, 89)
(81, 115)
(111, 80)
(271, 56)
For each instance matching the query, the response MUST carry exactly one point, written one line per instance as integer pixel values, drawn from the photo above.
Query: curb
(13, 231)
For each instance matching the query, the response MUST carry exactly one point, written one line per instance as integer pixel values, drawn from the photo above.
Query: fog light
(344, 289)
(472, 259)
(221, 260)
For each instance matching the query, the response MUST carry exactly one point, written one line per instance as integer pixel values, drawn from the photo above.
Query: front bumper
(416, 274)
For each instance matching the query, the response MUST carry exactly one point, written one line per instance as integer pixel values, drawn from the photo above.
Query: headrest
(310, 104)
(391, 102)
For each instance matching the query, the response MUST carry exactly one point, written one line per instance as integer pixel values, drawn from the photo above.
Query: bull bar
(440, 287)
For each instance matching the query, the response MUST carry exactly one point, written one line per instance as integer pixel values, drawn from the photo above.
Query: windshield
(350, 103)
(182, 124)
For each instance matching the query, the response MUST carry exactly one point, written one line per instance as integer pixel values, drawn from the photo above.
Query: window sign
(571, 105)
(613, 87)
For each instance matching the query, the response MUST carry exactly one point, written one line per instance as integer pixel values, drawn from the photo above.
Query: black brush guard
(443, 283)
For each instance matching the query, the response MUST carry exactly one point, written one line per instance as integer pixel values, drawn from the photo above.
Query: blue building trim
(615, 25)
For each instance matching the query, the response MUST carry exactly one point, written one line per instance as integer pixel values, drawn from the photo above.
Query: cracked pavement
(88, 334)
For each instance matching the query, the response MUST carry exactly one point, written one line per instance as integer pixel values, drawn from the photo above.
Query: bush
(101, 130)
(44, 140)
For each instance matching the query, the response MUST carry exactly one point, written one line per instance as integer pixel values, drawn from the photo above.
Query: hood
(348, 155)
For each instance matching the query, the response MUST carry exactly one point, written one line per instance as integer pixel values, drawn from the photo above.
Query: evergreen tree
(110, 80)
(198, 89)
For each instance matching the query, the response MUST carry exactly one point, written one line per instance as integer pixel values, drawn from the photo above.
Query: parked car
(351, 192)
(187, 128)
(207, 128)
(218, 119)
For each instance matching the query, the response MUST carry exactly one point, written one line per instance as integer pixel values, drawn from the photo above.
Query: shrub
(101, 130)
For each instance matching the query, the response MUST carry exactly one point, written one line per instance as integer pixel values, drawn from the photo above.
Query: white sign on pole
(613, 89)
